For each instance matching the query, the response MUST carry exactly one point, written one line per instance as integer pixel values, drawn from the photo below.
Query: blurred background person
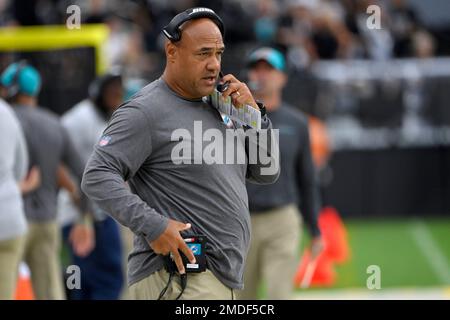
(266, 16)
(48, 145)
(404, 22)
(14, 181)
(274, 208)
(376, 44)
(423, 45)
(101, 270)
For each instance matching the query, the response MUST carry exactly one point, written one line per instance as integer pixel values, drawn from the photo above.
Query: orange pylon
(320, 271)
(24, 289)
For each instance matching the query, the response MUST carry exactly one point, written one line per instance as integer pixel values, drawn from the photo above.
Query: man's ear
(171, 51)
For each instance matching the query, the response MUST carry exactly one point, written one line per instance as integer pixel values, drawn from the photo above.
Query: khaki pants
(273, 253)
(200, 286)
(10, 255)
(127, 245)
(42, 257)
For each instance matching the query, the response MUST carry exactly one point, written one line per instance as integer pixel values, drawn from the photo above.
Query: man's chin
(206, 91)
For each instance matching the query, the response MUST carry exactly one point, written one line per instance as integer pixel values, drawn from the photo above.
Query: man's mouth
(210, 80)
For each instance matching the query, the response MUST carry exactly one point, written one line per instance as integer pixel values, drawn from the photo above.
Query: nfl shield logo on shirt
(104, 141)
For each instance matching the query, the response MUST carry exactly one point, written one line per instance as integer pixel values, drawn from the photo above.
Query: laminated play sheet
(246, 115)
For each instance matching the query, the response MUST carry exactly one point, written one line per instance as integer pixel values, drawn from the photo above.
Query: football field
(413, 256)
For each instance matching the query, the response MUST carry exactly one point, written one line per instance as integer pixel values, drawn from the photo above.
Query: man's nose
(213, 64)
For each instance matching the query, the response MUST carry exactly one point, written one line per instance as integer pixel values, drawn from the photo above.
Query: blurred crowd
(305, 30)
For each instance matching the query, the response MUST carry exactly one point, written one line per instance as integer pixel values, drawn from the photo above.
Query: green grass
(392, 245)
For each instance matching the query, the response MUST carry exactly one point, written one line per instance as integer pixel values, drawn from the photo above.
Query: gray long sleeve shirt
(48, 146)
(297, 183)
(13, 168)
(138, 147)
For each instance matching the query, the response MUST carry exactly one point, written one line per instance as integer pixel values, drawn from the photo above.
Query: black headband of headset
(172, 30)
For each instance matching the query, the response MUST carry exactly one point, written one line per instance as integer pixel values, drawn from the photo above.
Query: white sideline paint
(431, 251)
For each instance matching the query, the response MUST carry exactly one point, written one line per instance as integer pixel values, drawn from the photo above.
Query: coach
(167, 198)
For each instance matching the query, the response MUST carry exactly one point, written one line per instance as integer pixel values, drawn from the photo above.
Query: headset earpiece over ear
(172, 30)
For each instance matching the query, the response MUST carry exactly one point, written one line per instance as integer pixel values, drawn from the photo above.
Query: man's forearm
(310, 208)
(263, 155)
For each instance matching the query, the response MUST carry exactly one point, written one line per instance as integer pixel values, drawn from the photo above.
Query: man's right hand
(82, 238)
(170, 241)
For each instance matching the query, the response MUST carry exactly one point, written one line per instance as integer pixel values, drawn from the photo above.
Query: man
(169, 196)
(274, 215)
(48, 146)
(101, 270)
(13, 226)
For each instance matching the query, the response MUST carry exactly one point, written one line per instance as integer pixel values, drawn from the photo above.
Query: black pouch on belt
(197, 245)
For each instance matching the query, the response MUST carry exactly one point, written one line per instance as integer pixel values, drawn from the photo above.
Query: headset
(14, 87)
(172, 30)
